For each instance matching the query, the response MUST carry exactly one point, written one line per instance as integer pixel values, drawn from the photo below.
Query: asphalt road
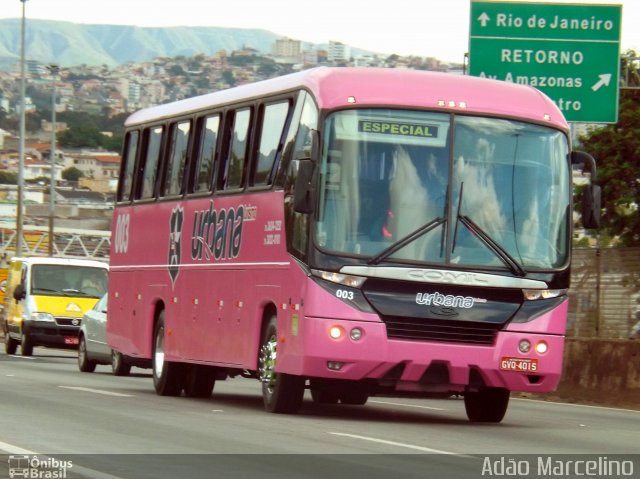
(118, 427)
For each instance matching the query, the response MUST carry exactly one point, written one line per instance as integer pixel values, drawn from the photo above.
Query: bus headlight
(535, 294)
(339, 278)
(542, 347)
(336, 332)
(524, 346)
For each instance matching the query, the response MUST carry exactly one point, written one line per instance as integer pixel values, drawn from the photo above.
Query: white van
(46, 299)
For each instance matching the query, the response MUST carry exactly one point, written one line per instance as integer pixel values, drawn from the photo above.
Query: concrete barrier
(600, 371)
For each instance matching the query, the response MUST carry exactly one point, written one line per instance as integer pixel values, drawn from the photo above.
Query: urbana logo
(217, 234)
(437, 299)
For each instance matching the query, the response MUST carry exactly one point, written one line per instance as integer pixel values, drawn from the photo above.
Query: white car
(92, 344)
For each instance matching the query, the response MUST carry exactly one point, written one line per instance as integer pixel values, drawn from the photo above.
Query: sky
(426, 28)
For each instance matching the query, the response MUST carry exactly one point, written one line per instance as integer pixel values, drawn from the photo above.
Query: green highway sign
(568, 51)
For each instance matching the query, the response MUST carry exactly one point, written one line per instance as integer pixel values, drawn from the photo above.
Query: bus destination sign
(568, 51)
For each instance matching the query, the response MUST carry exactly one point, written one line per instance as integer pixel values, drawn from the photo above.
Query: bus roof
(333, 87)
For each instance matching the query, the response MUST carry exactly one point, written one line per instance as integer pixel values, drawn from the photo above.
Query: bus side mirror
(591, 206)
(592, 196)
(19, 293)
(304, 193)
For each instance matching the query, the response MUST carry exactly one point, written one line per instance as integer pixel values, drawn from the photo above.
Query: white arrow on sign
(484, 18)
(604, 80)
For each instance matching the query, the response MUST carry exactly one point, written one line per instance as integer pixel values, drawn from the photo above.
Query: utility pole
(19, 216)
(52, 180)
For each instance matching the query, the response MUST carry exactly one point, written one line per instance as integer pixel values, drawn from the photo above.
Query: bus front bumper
(423, 366)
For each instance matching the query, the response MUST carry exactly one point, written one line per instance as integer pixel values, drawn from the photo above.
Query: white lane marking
(10, 375)
(407, 405)
(97, 391)
(393, 443)
(24, 357)
(541, 401)
(11, 449)
(217, 410)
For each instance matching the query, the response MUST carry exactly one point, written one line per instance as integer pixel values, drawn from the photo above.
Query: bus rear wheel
(281, 393)
(168, 377)
(487, 404)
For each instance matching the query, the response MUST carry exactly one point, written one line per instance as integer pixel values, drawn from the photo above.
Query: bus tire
(119, 366)
(487, 404)
(281, 393)
(85, 365)
(200, 381)
(353, 396)
(324, 392)
(168, 377)
(10, 344)
(26, 346)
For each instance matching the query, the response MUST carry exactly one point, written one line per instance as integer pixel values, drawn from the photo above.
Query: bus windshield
(437, 188)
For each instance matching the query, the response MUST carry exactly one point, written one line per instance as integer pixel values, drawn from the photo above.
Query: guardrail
(67, 242)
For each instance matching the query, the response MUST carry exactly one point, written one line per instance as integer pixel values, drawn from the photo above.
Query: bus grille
(420, 329)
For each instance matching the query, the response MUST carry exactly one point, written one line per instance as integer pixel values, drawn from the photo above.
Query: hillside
(69, 44)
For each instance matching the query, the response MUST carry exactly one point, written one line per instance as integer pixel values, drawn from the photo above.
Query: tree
(72, 174)
(8, 178)
(616, 148)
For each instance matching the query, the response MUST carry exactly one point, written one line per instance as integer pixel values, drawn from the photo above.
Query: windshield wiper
(487, 240)
(490, 243)
(401, 243)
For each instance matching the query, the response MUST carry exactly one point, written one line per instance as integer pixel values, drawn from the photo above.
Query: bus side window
(128, 165)
(232, 170)
(176, 159)
(202, 175)
(152, 140)
(273, 123)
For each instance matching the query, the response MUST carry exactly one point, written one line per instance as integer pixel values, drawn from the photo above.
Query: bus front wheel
(168, 377)
(281, 393)
(487, 404)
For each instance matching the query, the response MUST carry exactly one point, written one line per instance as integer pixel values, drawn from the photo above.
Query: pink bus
(350, 231)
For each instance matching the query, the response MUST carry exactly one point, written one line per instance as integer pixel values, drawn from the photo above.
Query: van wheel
(10, 344)
(26, 347)
(168, 377)
(84, 363)
(118, 364)
(281, 393)
(487, 404)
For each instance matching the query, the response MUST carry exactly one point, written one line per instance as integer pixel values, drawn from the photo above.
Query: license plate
(71, 341)
(526, 365)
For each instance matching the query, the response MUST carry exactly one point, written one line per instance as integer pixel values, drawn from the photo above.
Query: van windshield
(68, 280)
